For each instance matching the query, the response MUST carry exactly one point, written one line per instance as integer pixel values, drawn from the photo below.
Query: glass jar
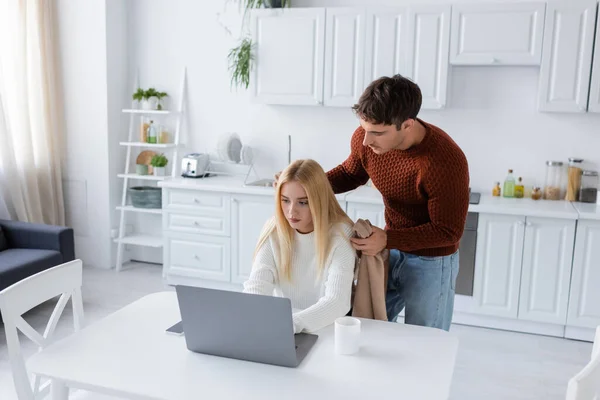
(589, 187)
(536, 193)
(574, 179)
(554, 180)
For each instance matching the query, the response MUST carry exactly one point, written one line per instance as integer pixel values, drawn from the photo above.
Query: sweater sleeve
(335, 301)
(351, 173)
(263, 277)
(447, 188)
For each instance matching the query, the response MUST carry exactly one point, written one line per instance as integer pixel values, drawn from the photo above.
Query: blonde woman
(304, 252)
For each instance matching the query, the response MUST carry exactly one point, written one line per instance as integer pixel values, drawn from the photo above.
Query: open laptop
(242, 326)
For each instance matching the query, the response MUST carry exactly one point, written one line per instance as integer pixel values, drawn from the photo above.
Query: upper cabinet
(567, 56)
(497, 34)
(427, 52)
(289, 56)
(344, 56)
(594, 98)
(387, 31)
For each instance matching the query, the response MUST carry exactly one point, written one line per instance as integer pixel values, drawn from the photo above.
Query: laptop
(242, 326)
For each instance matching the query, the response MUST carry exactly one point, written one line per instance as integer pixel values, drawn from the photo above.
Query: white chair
(63, 280)
(586, 384)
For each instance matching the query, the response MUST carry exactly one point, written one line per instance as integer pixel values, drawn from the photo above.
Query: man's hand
(373, 244)
(276, 178)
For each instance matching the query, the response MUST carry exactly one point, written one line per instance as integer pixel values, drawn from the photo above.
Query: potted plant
(240, 57)
(159, 162)
(151, 99)
(139, 95)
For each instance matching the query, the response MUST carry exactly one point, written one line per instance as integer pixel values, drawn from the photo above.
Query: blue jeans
(425, 286)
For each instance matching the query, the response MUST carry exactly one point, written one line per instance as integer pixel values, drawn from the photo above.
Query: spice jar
(589, 187)
(573, 179)
(496, 191)
(536, 193)
(553, 182)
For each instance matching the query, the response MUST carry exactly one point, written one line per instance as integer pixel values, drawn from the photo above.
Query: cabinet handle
(196, 200)
(493, 60)
(196, 257)
(196, 223)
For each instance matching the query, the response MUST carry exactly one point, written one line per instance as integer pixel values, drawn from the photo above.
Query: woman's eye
(285, 200)
(304, 203)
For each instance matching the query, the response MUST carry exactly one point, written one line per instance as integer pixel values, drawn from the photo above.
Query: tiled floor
(491, 365)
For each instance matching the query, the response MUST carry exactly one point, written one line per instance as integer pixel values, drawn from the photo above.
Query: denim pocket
(427, 258)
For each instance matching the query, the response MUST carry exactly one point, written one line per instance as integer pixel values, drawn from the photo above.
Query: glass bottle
(588, 192)
(152, 134)
(509, 185)
(536, 193)
(553, 183)
(574, 179)
(519, 189)
(496, 190)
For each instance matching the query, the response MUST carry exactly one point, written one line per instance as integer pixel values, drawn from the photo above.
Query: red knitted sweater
(425, 190)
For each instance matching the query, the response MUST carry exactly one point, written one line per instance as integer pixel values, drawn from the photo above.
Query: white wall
(491, 111)
(82, 42)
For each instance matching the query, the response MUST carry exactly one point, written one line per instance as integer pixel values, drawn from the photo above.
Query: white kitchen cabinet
(344, 56)
(584, 303)
(567, 56)
(386, 42)
(197, 256)
(498, 265)
(546, 270)
(289, 56)
(375, 214)
(497, 33)
(427, 51)
(248, 216)
(594, 98)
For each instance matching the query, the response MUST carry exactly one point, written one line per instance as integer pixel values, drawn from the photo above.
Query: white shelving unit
(138, 238)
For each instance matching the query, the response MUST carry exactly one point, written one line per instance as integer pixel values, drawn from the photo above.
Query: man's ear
(408, 124)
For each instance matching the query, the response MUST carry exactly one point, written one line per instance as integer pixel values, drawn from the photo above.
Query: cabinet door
(584, 303)
(386, 43)
(427, 52)
(198, 256)
(546, 270)
(344, 56)
(497, 34)
(248, 216)
(498, 264)
(594, 101)
(375, 214)
(567, 56)
(289, 50)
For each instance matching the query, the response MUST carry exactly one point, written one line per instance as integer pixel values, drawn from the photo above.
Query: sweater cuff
(393, 239)
(298, 326)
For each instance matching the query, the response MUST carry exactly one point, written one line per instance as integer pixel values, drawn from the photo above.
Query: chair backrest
(586, 384)
(63, 280)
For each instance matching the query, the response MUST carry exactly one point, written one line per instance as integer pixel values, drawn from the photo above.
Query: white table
(129, 354)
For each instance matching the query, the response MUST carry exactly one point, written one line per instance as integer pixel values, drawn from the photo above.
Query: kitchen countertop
(491, 205)
(588, 210)
(370, 195)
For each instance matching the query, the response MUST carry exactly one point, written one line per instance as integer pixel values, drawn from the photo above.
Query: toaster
(194, 165)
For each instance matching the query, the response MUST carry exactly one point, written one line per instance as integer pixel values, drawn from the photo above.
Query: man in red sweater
(423, 177)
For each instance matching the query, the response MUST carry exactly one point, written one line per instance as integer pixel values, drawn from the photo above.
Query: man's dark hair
(389, 100)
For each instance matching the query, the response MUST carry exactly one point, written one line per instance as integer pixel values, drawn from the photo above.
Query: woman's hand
(373, 244)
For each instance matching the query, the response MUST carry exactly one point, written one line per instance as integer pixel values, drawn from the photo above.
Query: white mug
(347, 335)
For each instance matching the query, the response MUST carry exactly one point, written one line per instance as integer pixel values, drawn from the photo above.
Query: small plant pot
(159, 171)
(141, 169)
(162, 104)
(150, 103)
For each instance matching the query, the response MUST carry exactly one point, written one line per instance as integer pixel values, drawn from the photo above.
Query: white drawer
(199, 256)
(192, 223)
(200, 202)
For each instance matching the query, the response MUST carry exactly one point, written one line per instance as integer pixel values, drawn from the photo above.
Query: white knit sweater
(316, 300)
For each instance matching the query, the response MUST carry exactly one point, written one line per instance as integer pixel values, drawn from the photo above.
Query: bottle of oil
(509, 185)
(519, 189)
(496, 190)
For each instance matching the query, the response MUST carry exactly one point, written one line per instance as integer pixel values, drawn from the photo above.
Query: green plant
(160, 95)
(240, 63)
(159, 160)
(151, 93)
(139, 95)
(240, 57)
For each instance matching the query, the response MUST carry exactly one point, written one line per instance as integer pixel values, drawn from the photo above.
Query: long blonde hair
(324, 208)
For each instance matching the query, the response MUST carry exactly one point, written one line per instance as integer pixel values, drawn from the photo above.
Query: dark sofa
(26, 249)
